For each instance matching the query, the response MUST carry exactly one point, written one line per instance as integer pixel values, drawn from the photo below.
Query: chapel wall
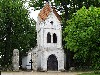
(59, 55)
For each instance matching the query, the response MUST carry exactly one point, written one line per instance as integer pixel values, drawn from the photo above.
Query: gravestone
(15, 60)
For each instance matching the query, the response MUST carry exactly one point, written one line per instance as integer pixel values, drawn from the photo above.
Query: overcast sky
(33, 14)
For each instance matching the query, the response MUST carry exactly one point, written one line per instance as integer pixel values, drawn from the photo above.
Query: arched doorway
(52, 63)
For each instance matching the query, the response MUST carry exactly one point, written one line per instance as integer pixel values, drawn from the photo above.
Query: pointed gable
(44, 13)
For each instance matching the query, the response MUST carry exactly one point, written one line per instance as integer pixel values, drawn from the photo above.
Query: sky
(33, 14)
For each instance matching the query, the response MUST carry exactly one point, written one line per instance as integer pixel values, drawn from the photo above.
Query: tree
(83, 36)
(66, 6)
(17, 30)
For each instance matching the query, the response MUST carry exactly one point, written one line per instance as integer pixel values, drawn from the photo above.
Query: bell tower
(49, 31)
(49, 39)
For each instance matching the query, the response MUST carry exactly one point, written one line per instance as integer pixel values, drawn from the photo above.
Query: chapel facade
(48, 55)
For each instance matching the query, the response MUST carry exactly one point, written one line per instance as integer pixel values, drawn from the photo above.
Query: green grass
(89, 74)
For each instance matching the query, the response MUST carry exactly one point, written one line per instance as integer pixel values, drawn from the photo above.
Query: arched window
(54, 38)
(48, 38)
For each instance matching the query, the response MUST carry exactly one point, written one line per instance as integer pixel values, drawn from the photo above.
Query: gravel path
(39, 73)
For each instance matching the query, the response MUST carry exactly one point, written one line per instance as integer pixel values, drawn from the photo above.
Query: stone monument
(15, 60)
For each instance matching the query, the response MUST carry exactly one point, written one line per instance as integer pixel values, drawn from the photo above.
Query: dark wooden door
(52, 63)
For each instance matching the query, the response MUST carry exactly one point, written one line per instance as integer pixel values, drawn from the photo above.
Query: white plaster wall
(40, 38)
(59, 39)
(28, 60)
(60, 57)
(56, 22)
(44, 27)
(39, 60)
(24, 62)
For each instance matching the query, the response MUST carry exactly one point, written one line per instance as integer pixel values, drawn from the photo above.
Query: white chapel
(49, 53)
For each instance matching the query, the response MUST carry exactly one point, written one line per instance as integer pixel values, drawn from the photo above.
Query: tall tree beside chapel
(83, 36)
(17, 30)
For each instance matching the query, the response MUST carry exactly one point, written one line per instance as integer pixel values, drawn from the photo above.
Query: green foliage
(17, 30)
(82, 36)
(66, 6)
(92, 73)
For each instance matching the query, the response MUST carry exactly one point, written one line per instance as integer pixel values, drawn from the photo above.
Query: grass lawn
(89, 74)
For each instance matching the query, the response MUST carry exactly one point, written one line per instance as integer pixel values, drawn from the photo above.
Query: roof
(44, 13)
(55, 12)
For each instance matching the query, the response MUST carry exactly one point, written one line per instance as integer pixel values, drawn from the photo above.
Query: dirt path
(39, 73)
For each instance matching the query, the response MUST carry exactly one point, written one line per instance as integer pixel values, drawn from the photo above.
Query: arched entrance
(52, 63)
